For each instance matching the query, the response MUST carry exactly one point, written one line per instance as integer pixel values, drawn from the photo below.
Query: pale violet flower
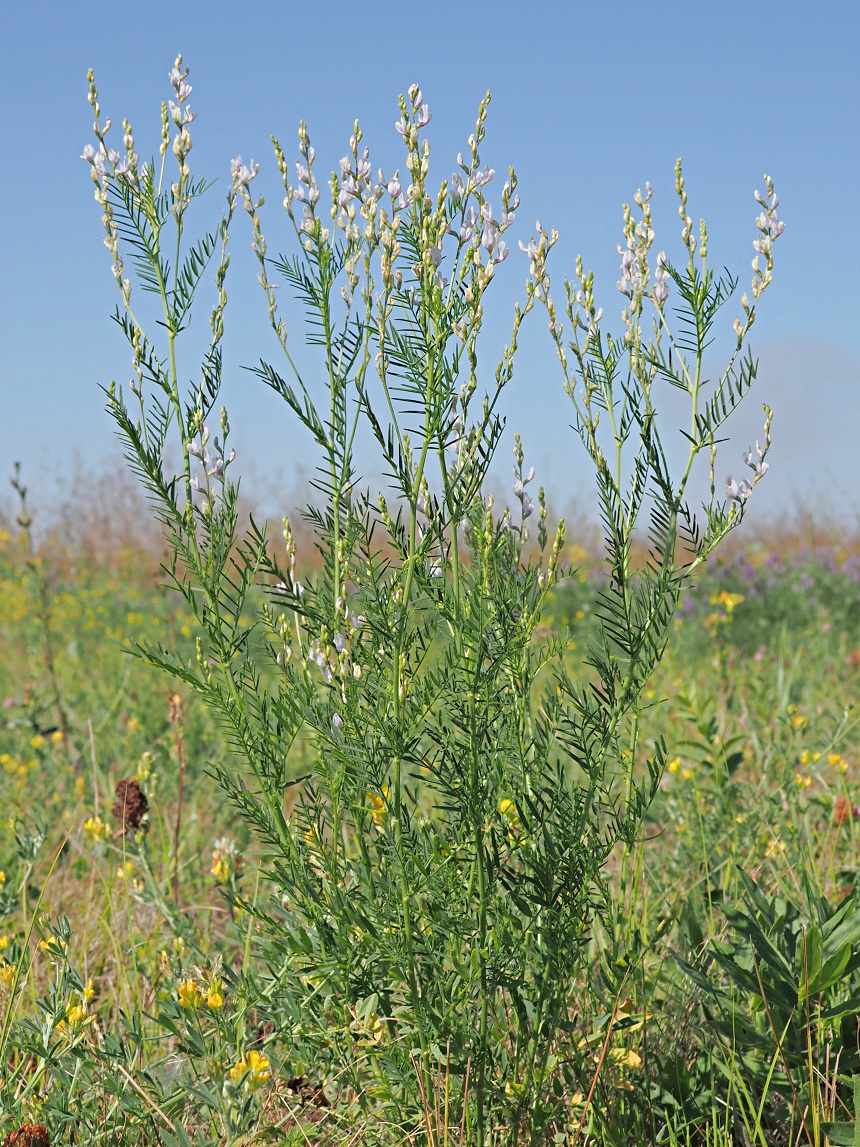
(756, 462)
(490, 237)
(89, 154)
(348, 190)
(402, 127)
(633, 271)
(340, 642)
(181, 115)
(458, 183)
(467, 227)
(521, 493)
(661, 280)
(337, 723)
(738, 491)
(242, 173)
(480, 178)
(362, 167)
(531, 250)
(501, 252)
(422, 116)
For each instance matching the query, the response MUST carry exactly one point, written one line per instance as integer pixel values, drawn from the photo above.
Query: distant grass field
(726, 907)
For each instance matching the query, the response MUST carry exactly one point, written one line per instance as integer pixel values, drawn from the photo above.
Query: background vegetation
(723, 986)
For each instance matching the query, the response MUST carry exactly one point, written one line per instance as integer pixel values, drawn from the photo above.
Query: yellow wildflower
(379, 805)
(509, 811)
(802, 780)
(225, 860)
(53, 946)
(253, 1069)
(798, 721)
(189, 995)
(5, 941)
(125, 871)
(76, 1015)
(727, 600)
(97, 828)
(837, 761)
(38, 741)
(775, 848)
(674, 765)
(7, 974)
(57, 736)
(214, 999)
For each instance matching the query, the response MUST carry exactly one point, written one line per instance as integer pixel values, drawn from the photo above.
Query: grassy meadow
(721, 998)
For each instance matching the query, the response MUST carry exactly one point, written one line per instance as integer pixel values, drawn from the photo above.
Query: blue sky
(589, 102)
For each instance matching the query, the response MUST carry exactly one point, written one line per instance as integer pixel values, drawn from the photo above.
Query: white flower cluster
(740, 491)
(661, 280)
(634, 254)
(520, 492)
(242, 173)
(332, 655)
(214, 465)
(770, 227)
(768, 223)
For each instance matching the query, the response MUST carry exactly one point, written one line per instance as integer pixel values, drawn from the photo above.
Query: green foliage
(847, 1134)
(440, 863)
(782, 990)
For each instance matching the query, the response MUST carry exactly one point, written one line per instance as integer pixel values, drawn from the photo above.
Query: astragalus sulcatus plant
(433, 875)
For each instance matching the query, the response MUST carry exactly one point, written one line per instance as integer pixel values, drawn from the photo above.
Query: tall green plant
(436, 869)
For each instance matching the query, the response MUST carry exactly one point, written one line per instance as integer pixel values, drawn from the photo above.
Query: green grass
(686, 1024)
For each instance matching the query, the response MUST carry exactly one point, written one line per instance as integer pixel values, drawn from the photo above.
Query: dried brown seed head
(28, 1135)
(130, 808)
